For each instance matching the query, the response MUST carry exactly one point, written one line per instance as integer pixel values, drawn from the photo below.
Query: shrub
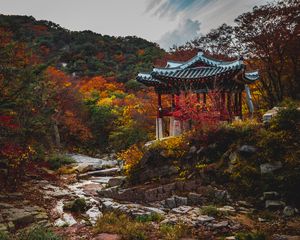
(173, 147)
(58, 160)
(211, 211)
(39, 233)
(123, 225)
(154, 217)
(131, 158)
(287, 119)
(173, 232)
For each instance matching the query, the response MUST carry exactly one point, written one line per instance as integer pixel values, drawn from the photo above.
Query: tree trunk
(56, 134)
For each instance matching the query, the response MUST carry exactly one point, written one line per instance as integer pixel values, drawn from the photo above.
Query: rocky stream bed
(100, 183)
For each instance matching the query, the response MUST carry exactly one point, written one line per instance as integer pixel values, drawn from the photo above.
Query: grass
(173, 232)
(37, 233)
(121, 224)
(154, 217)
(211, 211)
(57, 161)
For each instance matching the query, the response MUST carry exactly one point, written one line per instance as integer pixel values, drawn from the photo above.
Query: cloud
(185, 31)
(170, 8)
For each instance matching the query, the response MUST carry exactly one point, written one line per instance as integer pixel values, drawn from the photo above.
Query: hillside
(83, 53)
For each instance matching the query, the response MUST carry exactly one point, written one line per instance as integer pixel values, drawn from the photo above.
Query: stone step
(101, 173)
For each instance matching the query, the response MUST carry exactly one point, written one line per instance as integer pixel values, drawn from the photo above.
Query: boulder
(247, 149)
(193, 149)
(270, 195)
(116, 181)
(21, 218)
(194, 198)
(204, 218)
(285, 237)
(181, 201)
(220, 224)
(289, 211)
(274, 204)
(270, 167)
(170, 203)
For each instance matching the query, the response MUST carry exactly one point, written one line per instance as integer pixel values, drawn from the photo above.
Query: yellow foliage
(105, 102)
(172, 147)
(131, 157)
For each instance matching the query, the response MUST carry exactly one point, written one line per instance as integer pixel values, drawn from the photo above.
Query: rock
(200, 150)
(270, 195)
(274, 205)
(5, 205)
(288, 211)
(99, 173)
(106, 236)
(181, 210)
(194, 198)
(220, 224)
(84, 167)
(285, 237)
(204, 218)
(3, 227)
(262, 220)
(247, 149)
(41, 216)
(270, 167)
(116, 181)
(226, 209)
(221, 195)
(93, 214)
(230, 238)
(180, 201)
(170, 202)
(193, 149)
(20, 217)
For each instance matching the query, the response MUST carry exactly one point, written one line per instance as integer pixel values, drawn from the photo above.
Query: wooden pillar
(159, 119)
(235, 104)
(229, 109)
(198, 97)
(173, 105)
(223, 102)
(204, 98)
(240, 105)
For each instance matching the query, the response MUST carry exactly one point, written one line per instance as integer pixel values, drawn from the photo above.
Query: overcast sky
(166, 22)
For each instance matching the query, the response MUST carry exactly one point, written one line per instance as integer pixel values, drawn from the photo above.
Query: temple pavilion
(200, 75)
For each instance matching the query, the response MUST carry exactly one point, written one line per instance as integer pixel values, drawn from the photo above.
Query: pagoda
(200, 75)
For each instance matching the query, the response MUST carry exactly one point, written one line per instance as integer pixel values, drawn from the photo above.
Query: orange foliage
(141, 52)
(76, 127)
(120, 57)
(131, 158)
(99, 84)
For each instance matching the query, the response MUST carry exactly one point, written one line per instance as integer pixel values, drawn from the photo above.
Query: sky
(166, 22)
